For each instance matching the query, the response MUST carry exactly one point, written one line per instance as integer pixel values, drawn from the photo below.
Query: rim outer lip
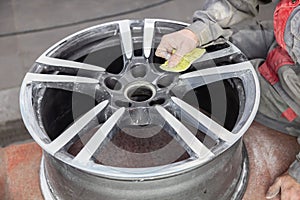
(238, 193)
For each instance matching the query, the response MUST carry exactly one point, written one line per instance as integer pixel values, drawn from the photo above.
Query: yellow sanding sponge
(185, 62)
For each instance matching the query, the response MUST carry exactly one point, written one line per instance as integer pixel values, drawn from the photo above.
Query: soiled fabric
(234, 20)
(292, 35)
(270, 153)
(216, 16)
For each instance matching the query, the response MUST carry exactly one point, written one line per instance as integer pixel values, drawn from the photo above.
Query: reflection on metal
(205, 121)
(45, 78)
(73, 130)
(217, 54)
(201, 151)
(127, 110)
(149, 26)
(95, 142)
(45, 60)
(126, 40)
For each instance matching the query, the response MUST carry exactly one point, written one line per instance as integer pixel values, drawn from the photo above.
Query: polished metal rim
(139, 94)
(238, 193)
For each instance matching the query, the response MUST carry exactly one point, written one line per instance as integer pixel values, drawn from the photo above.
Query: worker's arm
(217, 16)
(292, 35)
(288, 185)
(209, 24)
(292, 39)
(289, 76)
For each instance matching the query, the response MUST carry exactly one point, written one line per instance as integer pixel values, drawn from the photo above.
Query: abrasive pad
(185, 62)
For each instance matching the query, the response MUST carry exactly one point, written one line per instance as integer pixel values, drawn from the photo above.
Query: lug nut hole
(159, 101)
(165, 81)
(112, 83)
(123, 104)
(139, 70)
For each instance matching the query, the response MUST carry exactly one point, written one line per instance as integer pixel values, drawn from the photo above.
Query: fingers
(290, 194)
(274, 189)
(183, 42)
(174, 60)
(165, 48)
(289, 189)
(167, 51)
(177, 56)
(285, 195)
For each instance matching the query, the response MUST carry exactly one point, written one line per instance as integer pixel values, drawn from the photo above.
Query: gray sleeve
(211, 22)
(294, 169)
(292, 35)
(292, 39)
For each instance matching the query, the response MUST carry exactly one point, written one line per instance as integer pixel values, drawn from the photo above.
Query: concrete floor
(18, 52)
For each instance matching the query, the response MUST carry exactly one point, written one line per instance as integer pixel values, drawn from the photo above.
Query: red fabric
(289, 114)
(268, 73)
(281, 15)
(277, 58)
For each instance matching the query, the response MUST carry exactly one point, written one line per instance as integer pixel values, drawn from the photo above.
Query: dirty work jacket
(216, 19)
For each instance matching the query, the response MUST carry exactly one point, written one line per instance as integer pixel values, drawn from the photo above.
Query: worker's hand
(285, 187)
(175, 45)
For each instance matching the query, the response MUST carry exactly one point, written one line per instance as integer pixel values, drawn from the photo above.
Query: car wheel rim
(98, 101)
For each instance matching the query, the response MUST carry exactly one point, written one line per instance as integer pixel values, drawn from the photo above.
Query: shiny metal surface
(98, 104)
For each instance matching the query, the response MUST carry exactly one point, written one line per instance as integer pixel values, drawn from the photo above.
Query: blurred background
(29, 27)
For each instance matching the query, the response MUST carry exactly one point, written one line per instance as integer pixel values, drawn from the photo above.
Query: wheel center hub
(139, 91)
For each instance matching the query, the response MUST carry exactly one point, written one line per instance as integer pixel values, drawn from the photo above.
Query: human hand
(287, 186)
(183, 42)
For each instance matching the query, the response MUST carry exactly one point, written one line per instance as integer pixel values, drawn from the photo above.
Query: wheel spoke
(49, 78)
(149, 27)
(214, 74)
(75, 128)
(46, 60)
(95, 142)
(126, 39)
(185, 135)
(208, 125)
(218, 54)
(78, 84)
